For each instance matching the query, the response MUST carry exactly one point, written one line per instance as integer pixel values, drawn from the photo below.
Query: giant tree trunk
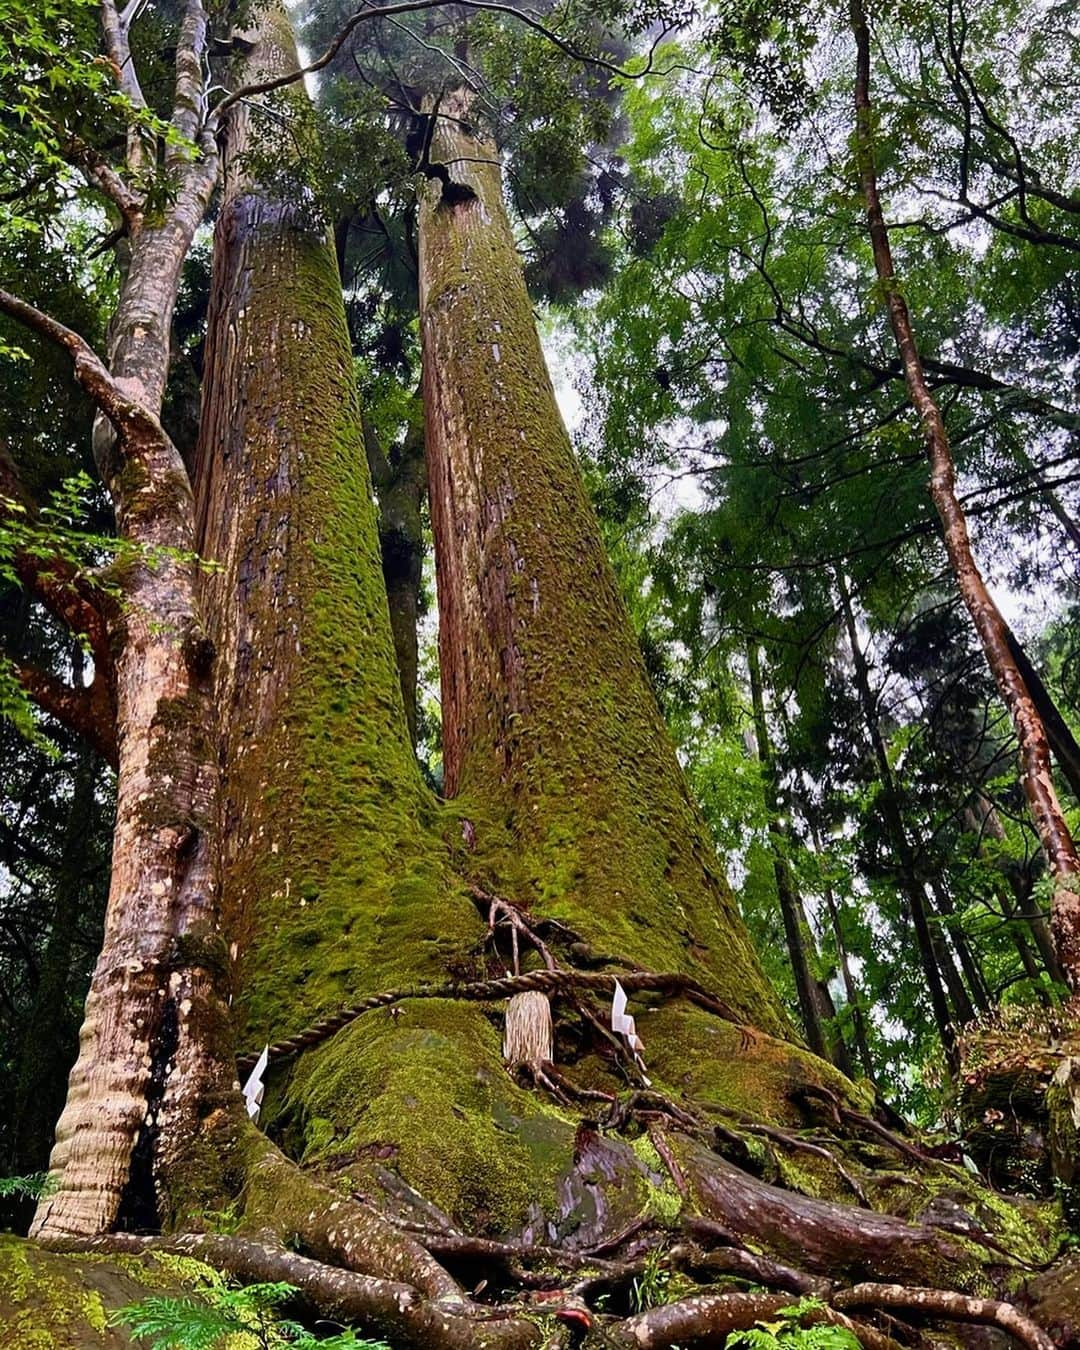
(344, 876)
(325, 811)
(553, 743)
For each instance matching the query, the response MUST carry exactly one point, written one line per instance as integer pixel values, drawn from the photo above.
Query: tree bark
(326, 819)
(553, 744)
(400, 479)
(47, 1054)
(154, 1044)
(1036, 778)
(1062, 742)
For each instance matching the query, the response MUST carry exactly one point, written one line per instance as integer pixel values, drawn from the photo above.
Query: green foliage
(651, 1288)
(32, 1187)
(60, 99)
(222, 1317)
(786, 1333)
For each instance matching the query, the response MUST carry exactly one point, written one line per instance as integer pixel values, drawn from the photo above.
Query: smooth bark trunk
(1036, 778)
(153, 1055)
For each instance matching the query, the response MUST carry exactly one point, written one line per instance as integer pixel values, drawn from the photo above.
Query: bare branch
(412, 7)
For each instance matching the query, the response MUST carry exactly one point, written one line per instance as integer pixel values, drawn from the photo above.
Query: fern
(786, 1333)
(221, 1314)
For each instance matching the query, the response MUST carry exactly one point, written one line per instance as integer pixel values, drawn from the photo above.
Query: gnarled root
(281, 1198)
(943, 1303)
(703, 1319)
(385, 1307)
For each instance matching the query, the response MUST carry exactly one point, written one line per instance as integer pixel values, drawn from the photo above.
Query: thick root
(703, 1320)
(382, 1307)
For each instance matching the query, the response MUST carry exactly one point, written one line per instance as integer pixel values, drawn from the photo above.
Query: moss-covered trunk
(553, 742)
(343, 875)
(325, 809)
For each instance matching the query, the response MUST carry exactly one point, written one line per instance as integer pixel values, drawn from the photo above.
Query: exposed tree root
(384, 1307)
(728, 1260)
(822, 1237)
(703, 1319)
(943, 1303)
(281, 1198)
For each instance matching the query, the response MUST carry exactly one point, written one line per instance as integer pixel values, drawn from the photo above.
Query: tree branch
(129, 417)
(89, 712)
(412, 7)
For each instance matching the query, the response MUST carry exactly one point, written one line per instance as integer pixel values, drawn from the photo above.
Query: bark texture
(323, 800)
(154, 1044)
(554, 748)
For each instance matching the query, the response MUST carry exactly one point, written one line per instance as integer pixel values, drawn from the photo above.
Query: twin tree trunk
(343, 874)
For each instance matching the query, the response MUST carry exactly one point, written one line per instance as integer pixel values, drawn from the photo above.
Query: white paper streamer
(253, 1088)
(623, 1024)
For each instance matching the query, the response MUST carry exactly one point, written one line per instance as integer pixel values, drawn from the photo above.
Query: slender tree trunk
(1062, 742)
(969, 961)
(553, 744)
(985, 818)
(400, 479)
(1036, 777)
(976, 984)
(815, 1006)
(888, 803)
(854, 998)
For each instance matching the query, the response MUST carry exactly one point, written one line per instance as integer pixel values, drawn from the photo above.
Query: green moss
(566, 755)
(53, 1302)
(426, 1090)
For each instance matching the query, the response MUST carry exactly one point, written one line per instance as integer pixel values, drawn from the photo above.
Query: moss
(560, 747)
(54, 1302)
(707, 1058)
(427, 1091)
(664, 1201)
(1029, 1230)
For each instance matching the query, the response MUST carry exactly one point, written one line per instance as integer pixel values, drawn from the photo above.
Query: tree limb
(88, 712)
